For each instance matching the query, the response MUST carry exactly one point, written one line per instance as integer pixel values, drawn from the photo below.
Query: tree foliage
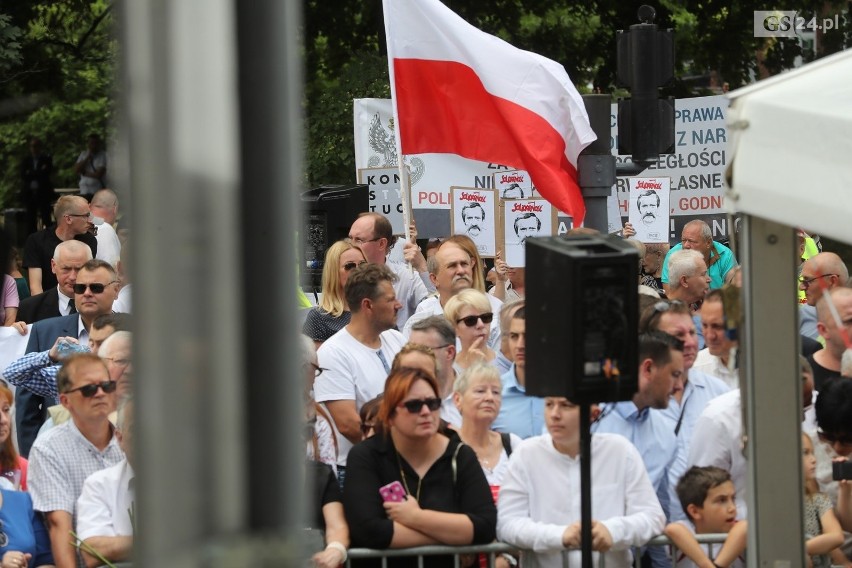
(59, 87)
(345, 49)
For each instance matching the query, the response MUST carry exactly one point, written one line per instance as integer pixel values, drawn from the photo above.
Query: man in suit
(94, 292)
(68, 258)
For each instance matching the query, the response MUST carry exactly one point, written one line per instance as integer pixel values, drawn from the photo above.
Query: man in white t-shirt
(356, 360)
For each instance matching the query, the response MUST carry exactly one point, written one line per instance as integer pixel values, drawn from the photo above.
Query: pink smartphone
(393, 491)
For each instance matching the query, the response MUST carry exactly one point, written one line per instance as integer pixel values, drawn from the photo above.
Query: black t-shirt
(39, 249)
(325, 489)
(821, 374)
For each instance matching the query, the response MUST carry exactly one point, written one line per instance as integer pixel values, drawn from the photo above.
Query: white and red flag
(458, 90)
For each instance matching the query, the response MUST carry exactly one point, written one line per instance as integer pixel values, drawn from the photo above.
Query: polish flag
(458, 90)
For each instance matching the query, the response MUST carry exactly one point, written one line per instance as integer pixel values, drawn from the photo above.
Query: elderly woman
(409, 485)
(477, 394)
(333, 314)
(321, 443)
(470, 313)
(539, 503)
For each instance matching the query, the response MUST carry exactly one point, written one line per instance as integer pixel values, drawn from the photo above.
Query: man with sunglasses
(64, 457)
(820, 273)
(357, 358)
(374, 234)
(73, 221)
(94, 293)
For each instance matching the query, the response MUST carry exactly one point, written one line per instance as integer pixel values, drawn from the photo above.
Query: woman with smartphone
(332, 314)
(410, 485)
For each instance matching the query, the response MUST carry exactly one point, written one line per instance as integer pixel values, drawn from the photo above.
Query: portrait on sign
(523, 219)
(474, 213)
(649, 208)
(513, 184)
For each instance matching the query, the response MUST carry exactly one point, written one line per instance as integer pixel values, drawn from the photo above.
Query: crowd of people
(425, 424)
(66, 413)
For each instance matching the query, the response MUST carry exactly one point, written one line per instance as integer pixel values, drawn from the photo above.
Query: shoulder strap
(454, 463)
(507, 443)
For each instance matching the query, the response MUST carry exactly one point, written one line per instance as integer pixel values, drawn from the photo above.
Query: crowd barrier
(493, 550)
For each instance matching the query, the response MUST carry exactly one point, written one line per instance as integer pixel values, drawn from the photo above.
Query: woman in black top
(447, 499)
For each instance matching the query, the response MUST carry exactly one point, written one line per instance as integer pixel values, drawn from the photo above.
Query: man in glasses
(822, 272)
(68, 258)
(94, 293)
(104, 518)
(64, 457)
(374, 234)
(357, 358)
(73, 221)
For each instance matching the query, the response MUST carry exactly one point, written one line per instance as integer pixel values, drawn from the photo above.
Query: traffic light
(645, 63)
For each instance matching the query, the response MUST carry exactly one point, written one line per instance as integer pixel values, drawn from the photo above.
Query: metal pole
(596, 164)
(586, 484)
(772, 400)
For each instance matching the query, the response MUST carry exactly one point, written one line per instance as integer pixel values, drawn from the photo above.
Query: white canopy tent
(791, 166)
(792, 147)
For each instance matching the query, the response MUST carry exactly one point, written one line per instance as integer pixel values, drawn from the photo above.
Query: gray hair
(307, 349)
(111, 342)
(706, 231)
(682, 263)
(440, 324)
(72, 247)
(476, 372)
(121, 414)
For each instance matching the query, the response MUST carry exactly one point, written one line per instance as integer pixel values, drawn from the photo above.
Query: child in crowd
(822, 529)
(707, 497)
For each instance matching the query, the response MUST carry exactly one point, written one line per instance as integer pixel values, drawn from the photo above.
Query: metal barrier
(495, 549)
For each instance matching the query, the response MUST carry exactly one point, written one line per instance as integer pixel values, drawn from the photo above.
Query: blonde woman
(470, 313)
(332, 314)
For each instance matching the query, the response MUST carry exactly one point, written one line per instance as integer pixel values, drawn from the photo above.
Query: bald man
(821, 272)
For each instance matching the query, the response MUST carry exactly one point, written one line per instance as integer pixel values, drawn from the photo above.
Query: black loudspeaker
(581, 318)
(329, 211)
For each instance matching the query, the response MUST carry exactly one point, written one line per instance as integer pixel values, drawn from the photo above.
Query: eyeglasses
(87, 215)
(470, 321)
(119, 362)
(834, 439)
(806, 282)
(414, 406)
(362, 242)
(91, 390)
(659, 308)
(95, 287)
(366, 427)
(350, 265)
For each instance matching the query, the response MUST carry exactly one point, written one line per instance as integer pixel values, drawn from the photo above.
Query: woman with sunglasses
(470, 313)
(410, 485)
(332, 314)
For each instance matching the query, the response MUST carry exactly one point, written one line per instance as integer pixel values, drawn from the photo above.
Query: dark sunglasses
(95, 287)
(91, 390)
(414, 406)
(350, 265)
(470, 321)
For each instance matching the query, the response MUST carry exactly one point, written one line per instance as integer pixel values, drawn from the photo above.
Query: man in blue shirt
(519, 414)
(697, 235)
